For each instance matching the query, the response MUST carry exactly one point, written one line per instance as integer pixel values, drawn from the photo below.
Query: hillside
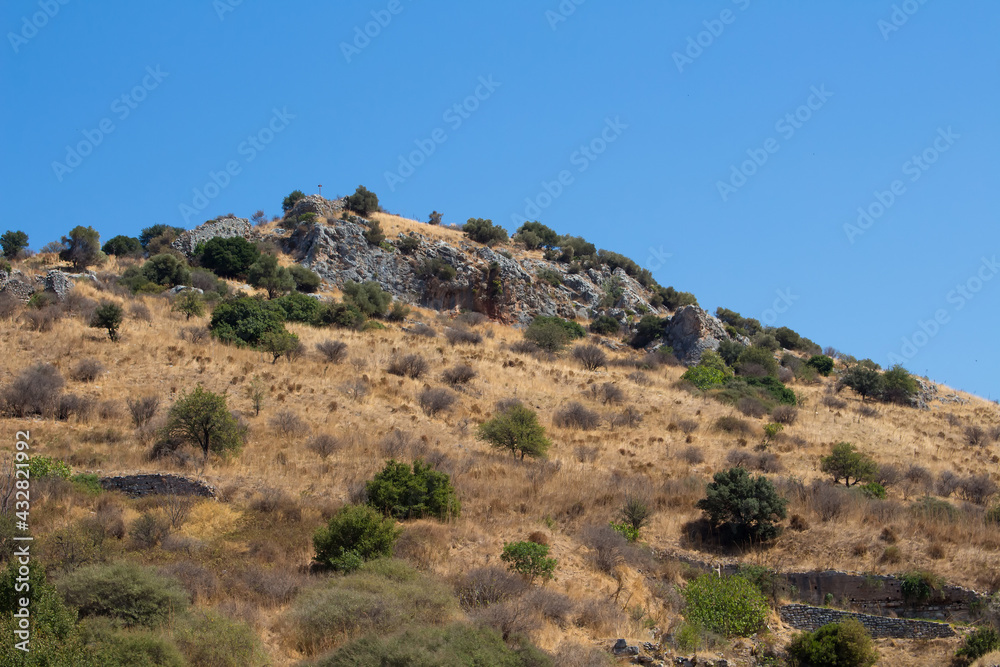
(629, 427)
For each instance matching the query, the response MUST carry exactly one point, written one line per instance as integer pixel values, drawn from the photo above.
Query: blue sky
(724, 145)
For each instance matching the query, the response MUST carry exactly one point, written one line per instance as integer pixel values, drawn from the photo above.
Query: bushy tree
(266, 273)
(352, 536)
(374, 234)
(536, 235)
(673, 299)
(842, 644)
(306, 280)
(705, 377)
(650, 328)
(730, 351)
(202, 418)
(434, 218)
(756, 356)
(289, 202)
(575, 247)
(13, 242)
(363, 202)
(552, 333)
(482, 230)
(122, 246)
(128, 593)
(299, 307)
(977, 643)
(787, 338)
(516, 429)
(147, 235)
(189, 303)
(846, 462)
(245, 320)
(227, 257)
(344, 314)
(898, 386)
(279, 344)
(865, 381)
(605, 325)
(529, 559)
(109, 316)
(369, 297)
(822, 363)
(82, 247)
(411, 493)
(731, 606)
(743, 507)
(167, 270)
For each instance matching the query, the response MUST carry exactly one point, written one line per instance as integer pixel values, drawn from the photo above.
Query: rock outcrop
(16, 284)
(326, 208)
(58, 283)
(225, 226)
(691, 331)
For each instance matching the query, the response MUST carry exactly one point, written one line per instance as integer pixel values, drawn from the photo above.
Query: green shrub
(209, 283)
(355, 534)
(787, 338)
(288, 203)
(266, 273)
(408, 245)
(108, 316)
(201, 418)
(650, 328)
(376, 237)
(743, 507)
(279, 344)
(227, 257)
(756, 356)
(843, 644)
(846, 462)
(551, 333)
(436, 268)
(673, 299)
(484, 231)
(874, 491)
(306, 280)
(128, 593)
(245, 320)
(209, 638)
(553, 278)
(368, 297)
(605, 325)
(529, 559)
(822, 363)
(147, 235)
(44, 466)
(536, 235)
(53, 639)
(406, 493)
(87, 483)
(136, 280)
(122, 246)
(380, 597)
(863, 380)
(898, 386)
(111, 646)
(82, 247)
(456, 645)
(344, 315)
(298, 307)
(920, 585)
(167, 270)
(516, 429)
(730, 351)
(625, 530)
(731, 606)
(13, 242)
(977, 643)
(704, 377)
(363, 202)
(775, 388)
(189, 303)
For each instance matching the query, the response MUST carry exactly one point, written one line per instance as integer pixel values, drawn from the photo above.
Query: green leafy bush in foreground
(128, 593)
(843, 644)
(732, 606)
(411, 493)
(355, 534)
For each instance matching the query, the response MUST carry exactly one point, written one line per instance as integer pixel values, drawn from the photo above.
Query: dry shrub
(608, 547)
(994, 433)
(433, 400)
(9, 306)
(407, 365)
(422, 329)
(423, 544)
(148, 530)
(462, 336)
(87, 370)
(552, 605)
(270, 500)
(109, 517)
(288, 424)
(538, 537)
(889, 474)
(869, 411)
(918, 476)
(586, 453)
(600, 616)
(357, 388)
(607, 393)
(458, 374)
(42, 319)
(936, 551)
(833, 402)
(142, 409)
(828, 501)
(639, 378)
(140, 313)
(333, 351)
(590, 357)
(730, 424)
(581, 655)
(797, 523)
(35, 391)
(687, 426)
(888, 535)
(200, 582)
(396, 444)
(891, 555)
(486, 586)
(977, 488)
(630, 417)
(323, 445)
(947, 483)
(195, 334)
(69, 405)
(763, 461)
(575, 415)
(511, 618)
(785, 414)
(751, 407)
(271, 586)
(976, 436)
(693, 455)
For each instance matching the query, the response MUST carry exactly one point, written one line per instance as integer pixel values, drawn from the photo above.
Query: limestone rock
(691, 331)
(327, 208)
(226, 227)
(58, 283)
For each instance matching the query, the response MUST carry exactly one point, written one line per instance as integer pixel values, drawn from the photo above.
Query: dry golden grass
(583, 482)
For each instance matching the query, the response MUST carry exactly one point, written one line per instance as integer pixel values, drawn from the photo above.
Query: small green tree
(189, 303)
(289, 202)
(363, 201)
(757, 356)
(540, 235)
(244, 320)
(842, 644)
(227, 257)
(516, 429)
(147, 235)
(109, 315)
(374, 234)
(122, 246)
(705, 377)
(635, 513)
(411, 493)
(977, 643)
(306, 281)
(484, 231)
(279, 344)
(201, 418)
(770, 432)
(82, 247)
(731, 606)
(529, 559)
(551, 333)
(266, 273)
(167, 270)
(743, 507)
(354, 535)
(650, 328)
(13, 242)
(898, 386)
(257, 392)
(822, 363)
(846, 462)
(865, 381)
(369, 297)
(434, 218)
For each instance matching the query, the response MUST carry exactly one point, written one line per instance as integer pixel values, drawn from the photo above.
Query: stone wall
(226, 227)
(157, 485)
(804, 617)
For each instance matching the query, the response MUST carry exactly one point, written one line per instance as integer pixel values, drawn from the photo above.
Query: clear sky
(727, 146)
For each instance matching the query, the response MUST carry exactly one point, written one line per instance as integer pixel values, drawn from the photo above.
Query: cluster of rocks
(155, 484)
(691, 331)
(325, 208)
(224, 226)
(652, 654)
(23, 287)
(928, 391)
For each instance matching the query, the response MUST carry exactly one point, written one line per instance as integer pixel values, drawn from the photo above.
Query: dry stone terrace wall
(153, 484)
(804, 617)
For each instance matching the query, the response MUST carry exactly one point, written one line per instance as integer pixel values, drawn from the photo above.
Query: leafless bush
(423, 543)
(148, 530)
(423, 330)
(889, 474)
(272, 586)
(786, 375)
(741, 458)
(552, 605)
(785, 414)
(433, 400)
(869, 411)
(511, 618)
(607, 546)
(828, 501)
(977, 488)
(586, 453)
(693, 455)
(458, 374)
(952, 419)
(109, 516)
(9, 306)
(947, 483)
(763, 461)
(35, 391)
(630, 417)
(69, 405)
(408, 365)
(396, 444)
(736, 425)
(751, 407)
(333, 351)
(575, 415)
(600, 616)
(580, 655)
(994, 433)
(195, 334)
(639, 378)
(590, 356)
(357, 388)
(323, 445)
(177, 509)
(42, 319)
(918, 474)
(87, 370)
(976, 436)
(288, 424)
(607, 393)
(832, 402)
(464, 336)
(505, 404)
(687, 426)
(200, 582)
(140, 313)
(485, 586)
(472, 318)
(142, 409)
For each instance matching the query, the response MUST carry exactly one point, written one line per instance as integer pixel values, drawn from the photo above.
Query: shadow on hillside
(700, 535)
